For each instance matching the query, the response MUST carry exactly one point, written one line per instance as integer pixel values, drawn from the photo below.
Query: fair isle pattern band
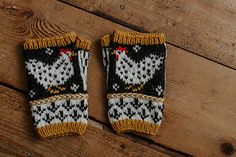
(60, 111)
(59, 97)
(135, 95)
(135, 109)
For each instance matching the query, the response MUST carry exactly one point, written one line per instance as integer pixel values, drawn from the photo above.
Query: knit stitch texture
(57, 81)
(135, 66)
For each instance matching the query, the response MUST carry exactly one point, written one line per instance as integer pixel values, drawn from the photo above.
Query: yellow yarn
(131, 38)
(39, 43)
(135, 95)
(106, 39)
(139, 126)
(59, 97)
(82, 43)
(64, 40)
(61, 129)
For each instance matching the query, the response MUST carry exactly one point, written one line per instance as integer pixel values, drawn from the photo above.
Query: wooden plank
(206, 28)
(200, 97)
(17, 137)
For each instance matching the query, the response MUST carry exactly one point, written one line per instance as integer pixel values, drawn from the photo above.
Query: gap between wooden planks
(200, 103)
(17, 136)
(204, 27)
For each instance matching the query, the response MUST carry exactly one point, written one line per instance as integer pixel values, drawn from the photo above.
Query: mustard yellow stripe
(39, 43)
(54, 41)
(106, 39)
(130, 38)
(59, 97)
(82, 43)
(135, 95)
(61, 129)
(138, 126)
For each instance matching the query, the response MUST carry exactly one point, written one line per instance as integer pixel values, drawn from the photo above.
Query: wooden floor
(200, 106)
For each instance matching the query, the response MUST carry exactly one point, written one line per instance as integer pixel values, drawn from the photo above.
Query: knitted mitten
(135, 65)
(57, 81)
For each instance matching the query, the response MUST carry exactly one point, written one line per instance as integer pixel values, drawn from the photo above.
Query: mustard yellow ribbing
(106, 39)
(39, 43)
(130, 38)
(83, 43)
(139, 126)
(61, 129)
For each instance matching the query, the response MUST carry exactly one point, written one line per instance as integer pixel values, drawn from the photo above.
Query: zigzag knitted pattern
(57, 80)
(135, 66)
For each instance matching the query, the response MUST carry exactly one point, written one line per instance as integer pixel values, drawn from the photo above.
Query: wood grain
(203, 27)
(200, 110)
(17, 137)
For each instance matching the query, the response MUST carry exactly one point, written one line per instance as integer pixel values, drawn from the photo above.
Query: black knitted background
(145, 51)
(40, 55)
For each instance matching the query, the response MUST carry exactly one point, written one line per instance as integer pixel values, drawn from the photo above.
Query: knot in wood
(227, 148)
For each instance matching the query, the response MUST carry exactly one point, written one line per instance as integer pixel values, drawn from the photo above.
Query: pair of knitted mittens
(57, 81)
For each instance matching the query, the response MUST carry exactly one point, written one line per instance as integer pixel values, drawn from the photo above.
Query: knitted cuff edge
(61, 129)
(63, 40)
(106, 39)
(131, 38)
(138, 126)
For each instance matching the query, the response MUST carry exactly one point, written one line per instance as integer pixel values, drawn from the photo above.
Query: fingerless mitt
(135, 66)
(57, 81)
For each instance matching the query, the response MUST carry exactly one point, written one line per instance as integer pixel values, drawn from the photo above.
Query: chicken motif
(52, 75)
(133, 73)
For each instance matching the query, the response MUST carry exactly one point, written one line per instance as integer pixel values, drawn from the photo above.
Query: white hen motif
(51, 75)
(136, 73)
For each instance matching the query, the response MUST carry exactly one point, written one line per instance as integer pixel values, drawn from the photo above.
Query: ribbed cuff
(139, 126)
(132, 38)
(61, 129)
(131, 112)
(60, 117)
(57, 41)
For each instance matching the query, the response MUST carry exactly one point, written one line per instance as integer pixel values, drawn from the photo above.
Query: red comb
(65, 51)
(121, 48)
